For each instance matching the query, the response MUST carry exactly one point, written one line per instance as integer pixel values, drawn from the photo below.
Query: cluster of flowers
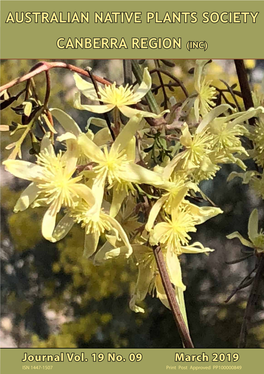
(124, 202)
(255, 178)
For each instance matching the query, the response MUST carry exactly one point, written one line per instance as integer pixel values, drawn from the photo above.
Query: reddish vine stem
(47, 95)
(252, 300)
(244, 86)
(46, 66)
(183, 330)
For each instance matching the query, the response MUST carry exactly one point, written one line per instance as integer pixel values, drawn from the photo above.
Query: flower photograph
(132, 203)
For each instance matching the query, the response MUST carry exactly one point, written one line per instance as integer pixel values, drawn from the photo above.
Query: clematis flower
(256, 237)
(52, 183)
(95, 224)
(215, 141)
(171, 199)
(173, 234)
(197, 147)
(115, 97)
(173, 237)
(253, 178)
(257, 138)
(149, 279)
(196, 159)
(205, 94)
(117, 242)
(116, 165)
(226, 132)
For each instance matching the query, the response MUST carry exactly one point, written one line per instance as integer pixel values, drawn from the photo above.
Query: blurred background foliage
(53, 297)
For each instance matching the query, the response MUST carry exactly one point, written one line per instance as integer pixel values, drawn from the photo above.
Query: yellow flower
(116, 165)
(257, 137)
(226, 139)
(52, 183)
(174, 232)
(196, 159)
(115, 97)
(178, 190)
(205, 94)
(149, 279)
(197, 147)
(95, 225)
(128, 218)
(256, 238)
(173, 235)
(112, 165)
(226, 133)
(215, 141)
(251, 177)
(174, 197)
(257, 183)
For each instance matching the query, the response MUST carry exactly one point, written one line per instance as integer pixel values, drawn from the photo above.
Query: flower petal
(47, 145)
(116, 225)
(196, 248)
(130, 112)
(101, 255)
(118, 198)
(102, 137)
(24, 169)
(202, 214)
(66, 136)
(138, 174)
(71, 156)
(158, 232)
(99, 122)
(186, 138)
(91, 243)
(236, 234)
(49, 221)
(146, 273)
(161, 294)
(180, 298)
(172, 164)
(126, 134)
(247, 115)
(154, 212)
(253, 225)
(86, 88)
(174, 269)
(130, 150)
(196, 109)
(85, 193)
(98, 191)
(144, 86)
(245, 176)
(97, 108)
(135, 308)
(92, 108)
(66, 121)
(211, 116)
(62, 228)
(198, 70)
(107, 252)
(26, 198)
(90, 149)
